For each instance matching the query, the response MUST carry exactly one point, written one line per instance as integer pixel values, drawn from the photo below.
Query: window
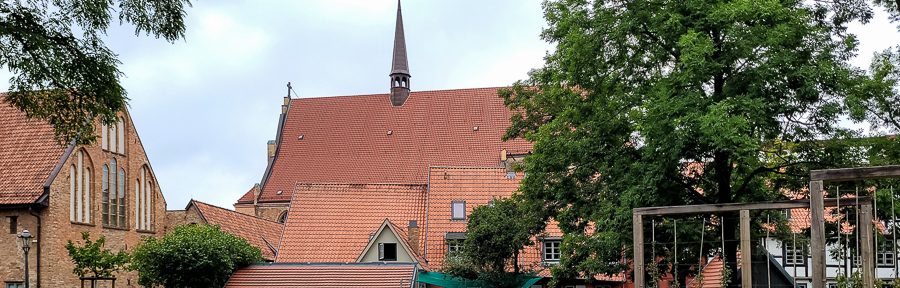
(459, 210)
(795, 256)
(801, 285)
(143, 200)
(80, 189)
(15, 285)
(112, 137)
(387, 251)
(120, 137)
(113, 198)
(885, 257)
(13, 224)
(551, 250)
(454, 247)
(832, 285)
(283, 217)
(511, 175)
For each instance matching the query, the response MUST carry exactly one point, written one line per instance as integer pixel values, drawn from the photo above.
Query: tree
(652, 103)
(92, 260)
(192, 256)
(62, 71)
(495, 234)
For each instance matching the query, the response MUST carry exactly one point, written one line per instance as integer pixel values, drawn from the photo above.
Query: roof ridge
(232, 211)
(388, 94)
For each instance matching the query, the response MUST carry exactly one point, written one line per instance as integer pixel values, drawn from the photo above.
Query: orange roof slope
(332, 222)
(377, 275)
(28, 154)
(261, 233)
(363, 139)
(249, 196)
(475, 186)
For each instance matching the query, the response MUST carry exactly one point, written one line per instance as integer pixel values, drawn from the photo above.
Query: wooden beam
(638, 226)
(735, 207)
(866, 243)
(849, 174)
(746, 256)
(817, 232)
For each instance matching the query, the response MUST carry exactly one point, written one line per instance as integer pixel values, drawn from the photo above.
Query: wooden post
(746, 272)
(817, 232)
(866, 251)
(638, 250)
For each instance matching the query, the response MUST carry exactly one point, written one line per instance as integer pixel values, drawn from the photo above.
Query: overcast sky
(206, 105)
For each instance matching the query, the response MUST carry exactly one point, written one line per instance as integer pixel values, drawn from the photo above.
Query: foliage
(62, 70)
(654, 103)
(92, 260)
(192, 256)
(495, 234)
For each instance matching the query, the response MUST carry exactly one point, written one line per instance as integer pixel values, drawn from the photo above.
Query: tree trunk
(723, 169)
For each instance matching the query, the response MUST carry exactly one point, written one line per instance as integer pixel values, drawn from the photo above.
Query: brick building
(57, 191)
(391, 178)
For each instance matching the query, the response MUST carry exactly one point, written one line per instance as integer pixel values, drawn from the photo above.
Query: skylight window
(458, 210)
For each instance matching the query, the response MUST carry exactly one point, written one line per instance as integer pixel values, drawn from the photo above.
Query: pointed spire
(400, 64)
(400, 67)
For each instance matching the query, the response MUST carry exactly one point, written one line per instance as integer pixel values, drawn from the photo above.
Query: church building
(391, 177)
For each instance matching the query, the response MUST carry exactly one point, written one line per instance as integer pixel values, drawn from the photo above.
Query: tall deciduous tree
(651, 103)
(62, 71)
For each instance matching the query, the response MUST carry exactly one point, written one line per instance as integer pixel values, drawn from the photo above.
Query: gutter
(39, 241)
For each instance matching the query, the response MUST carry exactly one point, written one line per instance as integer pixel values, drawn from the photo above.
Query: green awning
(447, 281)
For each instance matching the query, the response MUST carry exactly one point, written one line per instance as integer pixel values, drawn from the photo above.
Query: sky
(205, 106)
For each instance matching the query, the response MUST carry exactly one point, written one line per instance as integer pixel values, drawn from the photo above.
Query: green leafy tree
(62, 71)
(653, 103)
(192, 256)
(495, 235)
(93, 260)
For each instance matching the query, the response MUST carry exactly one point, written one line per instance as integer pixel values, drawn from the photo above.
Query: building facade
(59, 191)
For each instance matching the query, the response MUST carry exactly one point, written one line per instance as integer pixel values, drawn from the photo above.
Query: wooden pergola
(816, 205)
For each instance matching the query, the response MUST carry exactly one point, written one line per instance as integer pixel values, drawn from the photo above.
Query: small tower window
(283, 217)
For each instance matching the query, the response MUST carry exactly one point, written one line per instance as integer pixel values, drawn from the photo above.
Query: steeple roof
(400, 65)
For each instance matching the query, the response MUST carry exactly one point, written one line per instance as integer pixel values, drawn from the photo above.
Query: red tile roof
(28, 154)
(376, 275)
(475, 186)
(250, 196)
(263, 234)
(332, 222)
(363, 139)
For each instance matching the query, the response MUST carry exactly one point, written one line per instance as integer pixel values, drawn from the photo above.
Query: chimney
(270, 149)
(413, 232)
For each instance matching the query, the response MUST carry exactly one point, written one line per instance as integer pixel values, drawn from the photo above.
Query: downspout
(39, 241)
(427, 191)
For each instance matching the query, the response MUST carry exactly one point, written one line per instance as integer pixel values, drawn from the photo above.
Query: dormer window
(387, 251)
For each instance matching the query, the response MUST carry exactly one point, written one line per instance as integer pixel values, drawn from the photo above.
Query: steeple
(400, 67)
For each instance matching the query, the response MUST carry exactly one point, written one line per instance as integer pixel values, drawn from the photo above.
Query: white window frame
(554, 252)
(453, 212)
(794, 256)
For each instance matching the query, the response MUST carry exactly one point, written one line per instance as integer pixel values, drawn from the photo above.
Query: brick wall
(271, 211)
(56, 267)
(175, 218)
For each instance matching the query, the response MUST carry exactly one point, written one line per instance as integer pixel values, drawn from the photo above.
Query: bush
(92, 260)
(192, 256)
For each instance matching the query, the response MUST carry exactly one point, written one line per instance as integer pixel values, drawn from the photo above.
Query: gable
(386, 235)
